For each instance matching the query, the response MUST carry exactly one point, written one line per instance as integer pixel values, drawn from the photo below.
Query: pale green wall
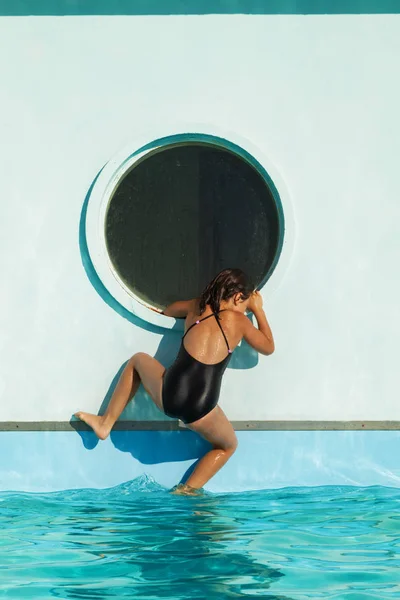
(318, 96)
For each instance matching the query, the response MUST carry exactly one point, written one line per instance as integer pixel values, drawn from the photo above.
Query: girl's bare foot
(186, 490)
(97, 423)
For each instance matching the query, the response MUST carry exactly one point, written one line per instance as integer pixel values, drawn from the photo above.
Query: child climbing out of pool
(189, 389)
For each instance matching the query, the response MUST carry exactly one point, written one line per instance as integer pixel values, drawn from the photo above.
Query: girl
(189, 389)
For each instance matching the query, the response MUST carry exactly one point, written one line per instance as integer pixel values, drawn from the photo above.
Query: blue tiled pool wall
(51, 460)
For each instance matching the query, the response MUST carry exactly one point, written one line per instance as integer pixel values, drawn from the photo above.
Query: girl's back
(204, 338)
(192, 383)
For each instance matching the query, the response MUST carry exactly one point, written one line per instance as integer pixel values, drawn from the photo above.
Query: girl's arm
(260, 339)
(179, 309)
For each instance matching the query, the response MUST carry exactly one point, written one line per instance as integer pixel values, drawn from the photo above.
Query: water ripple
(137, 540)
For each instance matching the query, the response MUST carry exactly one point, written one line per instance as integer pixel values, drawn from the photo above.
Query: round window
(185, 211)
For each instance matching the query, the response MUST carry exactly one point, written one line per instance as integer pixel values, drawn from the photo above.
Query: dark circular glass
(183, 214)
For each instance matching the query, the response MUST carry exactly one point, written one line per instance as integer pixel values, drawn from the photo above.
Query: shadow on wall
(188, 445)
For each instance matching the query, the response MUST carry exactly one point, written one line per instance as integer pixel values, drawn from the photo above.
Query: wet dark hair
(224, 286)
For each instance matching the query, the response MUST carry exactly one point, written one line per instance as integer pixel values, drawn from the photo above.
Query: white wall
(319, 96)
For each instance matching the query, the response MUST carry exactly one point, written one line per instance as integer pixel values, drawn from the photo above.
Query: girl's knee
(138, 358)
(231, 446)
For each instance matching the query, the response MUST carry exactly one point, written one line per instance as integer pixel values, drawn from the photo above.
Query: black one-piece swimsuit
(191, 388)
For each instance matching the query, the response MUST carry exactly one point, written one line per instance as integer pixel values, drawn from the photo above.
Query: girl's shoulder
(234, 317)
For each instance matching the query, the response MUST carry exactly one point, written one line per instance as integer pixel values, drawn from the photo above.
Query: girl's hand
(255, 303)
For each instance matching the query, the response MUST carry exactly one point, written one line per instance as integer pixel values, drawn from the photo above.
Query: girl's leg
(217, 430)
(141, 368)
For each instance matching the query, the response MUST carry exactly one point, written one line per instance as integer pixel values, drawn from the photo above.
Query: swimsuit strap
(223, 333)
(196, 323)
(219, 325)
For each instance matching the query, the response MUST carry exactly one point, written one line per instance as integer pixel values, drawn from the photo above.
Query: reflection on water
(137, 540)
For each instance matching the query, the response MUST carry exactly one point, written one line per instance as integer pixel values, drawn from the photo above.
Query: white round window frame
(116, 168)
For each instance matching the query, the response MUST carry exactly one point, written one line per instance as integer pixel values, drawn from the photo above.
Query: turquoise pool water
(139, 541)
